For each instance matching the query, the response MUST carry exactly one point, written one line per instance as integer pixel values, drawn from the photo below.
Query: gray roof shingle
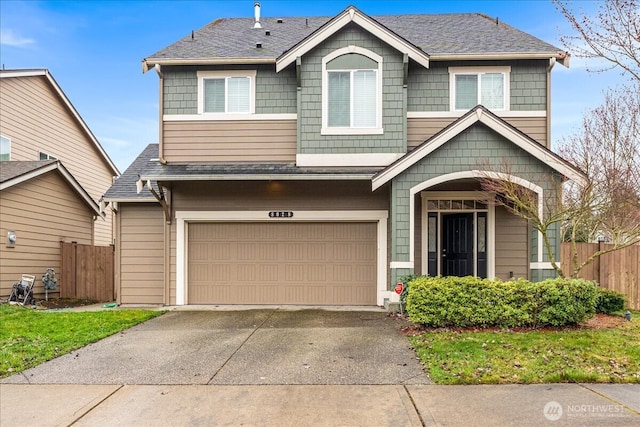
(125, 186)
(13, 169)
(445, 34)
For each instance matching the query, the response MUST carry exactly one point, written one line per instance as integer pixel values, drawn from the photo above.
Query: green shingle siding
(470, 150)
(428, 89)
(310, 111)
(275, 92)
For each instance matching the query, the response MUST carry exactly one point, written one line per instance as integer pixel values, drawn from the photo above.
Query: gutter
(256, 177)
(561, 57)
(147, 64)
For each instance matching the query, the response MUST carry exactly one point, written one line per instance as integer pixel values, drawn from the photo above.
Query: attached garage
(312, 263)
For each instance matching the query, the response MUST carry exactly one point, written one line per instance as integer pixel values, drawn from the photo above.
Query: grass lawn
(31, 337)
(537, 356)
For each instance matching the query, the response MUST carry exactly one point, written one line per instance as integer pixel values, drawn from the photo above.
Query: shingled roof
(442, 37)
(124, 188)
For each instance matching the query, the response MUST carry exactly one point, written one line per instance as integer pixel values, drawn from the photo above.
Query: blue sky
(94, 51)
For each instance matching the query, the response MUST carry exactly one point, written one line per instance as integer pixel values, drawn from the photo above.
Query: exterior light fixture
(11, 238)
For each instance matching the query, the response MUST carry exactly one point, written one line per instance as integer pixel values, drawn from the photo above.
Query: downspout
(552, 62)
(161, 115)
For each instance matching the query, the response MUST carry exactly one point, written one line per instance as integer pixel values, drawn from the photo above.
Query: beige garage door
(282, 263)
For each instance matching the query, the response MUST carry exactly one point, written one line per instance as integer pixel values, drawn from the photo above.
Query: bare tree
(612, 34)
(607, 149)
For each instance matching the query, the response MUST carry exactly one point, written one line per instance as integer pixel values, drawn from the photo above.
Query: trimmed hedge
(609, 301)
(471, 301)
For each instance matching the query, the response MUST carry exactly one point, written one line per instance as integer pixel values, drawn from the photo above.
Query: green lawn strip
(31, 337)
(503, 357)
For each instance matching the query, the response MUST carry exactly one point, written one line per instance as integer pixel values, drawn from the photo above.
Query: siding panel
(141, 254)
(42, 212)
(36, 120)
(254, 141)
(511, 245)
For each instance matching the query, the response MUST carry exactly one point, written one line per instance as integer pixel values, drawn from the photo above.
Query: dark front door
(457, 244)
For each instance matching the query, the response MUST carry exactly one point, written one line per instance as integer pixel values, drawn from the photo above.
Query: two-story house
(53, 172)
(318, 160)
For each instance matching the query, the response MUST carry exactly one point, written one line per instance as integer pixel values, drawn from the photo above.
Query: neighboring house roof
(440, 37)
(6, 74)
(479, 114)
(15, 172)
(124, 187)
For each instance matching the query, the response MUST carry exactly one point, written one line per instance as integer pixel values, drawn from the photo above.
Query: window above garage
(352, 92)
(226, 93)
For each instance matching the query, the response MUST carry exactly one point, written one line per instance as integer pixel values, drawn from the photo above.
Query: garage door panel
(282, 263)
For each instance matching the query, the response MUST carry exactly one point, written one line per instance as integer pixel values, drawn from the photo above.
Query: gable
(478, 115)
(348, 16)
(36, 93)
(15, 173)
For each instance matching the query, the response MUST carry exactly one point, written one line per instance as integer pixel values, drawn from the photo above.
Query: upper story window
(352, 92)
(470, 86)
(5, 148)
(47, 156)
(226, 92)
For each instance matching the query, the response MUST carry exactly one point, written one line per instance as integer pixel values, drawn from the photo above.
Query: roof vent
(267, 33)
(279, 21)
(259, 45)
(256, 8)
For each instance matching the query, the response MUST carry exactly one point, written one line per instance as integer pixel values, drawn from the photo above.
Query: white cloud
(9, 38)
(115, 142)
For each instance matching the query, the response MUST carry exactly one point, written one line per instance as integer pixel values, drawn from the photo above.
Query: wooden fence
(619, 270)
(87, 272)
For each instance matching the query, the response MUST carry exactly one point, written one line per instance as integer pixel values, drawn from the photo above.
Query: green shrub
(405, 280)
(471, 301)
(609, 301)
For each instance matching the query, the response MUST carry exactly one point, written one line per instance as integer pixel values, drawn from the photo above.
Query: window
(352, 99)
(230, 92)
(45, 156)
(5, 148)
(488, 86)
(352, 92)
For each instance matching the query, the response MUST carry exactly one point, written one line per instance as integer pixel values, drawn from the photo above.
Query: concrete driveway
(252, 347)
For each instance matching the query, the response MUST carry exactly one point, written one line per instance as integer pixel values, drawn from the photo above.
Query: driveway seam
(96, 405)
(240, 346)
(604, 396)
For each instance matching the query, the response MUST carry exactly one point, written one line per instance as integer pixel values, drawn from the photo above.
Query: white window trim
(183, 218)
(203, 75)
(453, 71)
(326, 130)
(8, 139)
(49, 156)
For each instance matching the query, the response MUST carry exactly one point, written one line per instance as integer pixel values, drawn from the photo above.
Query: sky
(94, 49)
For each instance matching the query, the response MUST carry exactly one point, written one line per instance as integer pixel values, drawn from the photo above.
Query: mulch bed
(56, 303)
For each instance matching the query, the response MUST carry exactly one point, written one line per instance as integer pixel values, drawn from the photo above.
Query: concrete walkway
(282, 367)
(319, 405)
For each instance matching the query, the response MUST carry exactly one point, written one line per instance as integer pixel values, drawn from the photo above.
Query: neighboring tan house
(318, 160)
(53, 172)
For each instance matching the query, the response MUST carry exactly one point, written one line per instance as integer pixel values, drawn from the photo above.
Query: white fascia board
(65, 175)
(506, 114)
(531, 147)
(149, 63)
(352, 15)
(347, 159)
(131, 200)
(561, 57)
(27, 176)
(227, 117)
(421, 152)
(6, 74)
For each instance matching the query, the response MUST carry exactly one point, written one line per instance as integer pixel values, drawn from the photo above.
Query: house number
(280, 214)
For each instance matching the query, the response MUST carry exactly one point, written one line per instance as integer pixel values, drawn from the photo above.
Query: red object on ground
(398, 288)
